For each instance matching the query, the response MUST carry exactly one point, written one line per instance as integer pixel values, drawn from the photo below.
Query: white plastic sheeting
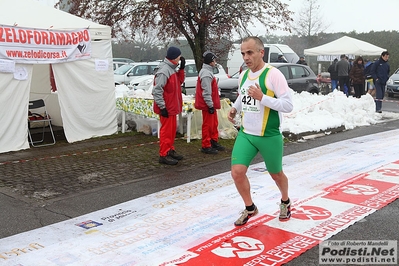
(345, 45)
(85, 101)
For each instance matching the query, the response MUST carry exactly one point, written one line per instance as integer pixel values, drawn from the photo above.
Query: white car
(145, 82)
(118, 62)
(125, 73)
(192, 75)
(141, 82)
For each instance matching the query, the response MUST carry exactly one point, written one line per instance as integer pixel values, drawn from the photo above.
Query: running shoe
(285, 211)
(245, 215)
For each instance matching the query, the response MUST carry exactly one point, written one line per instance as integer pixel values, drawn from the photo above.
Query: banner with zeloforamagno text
(41, 46)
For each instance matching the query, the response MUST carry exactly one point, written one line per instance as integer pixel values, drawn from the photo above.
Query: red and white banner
(331, 188)
(41, 46)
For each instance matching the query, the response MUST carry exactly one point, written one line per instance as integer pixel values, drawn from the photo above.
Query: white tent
(84, 103)
(345, 45)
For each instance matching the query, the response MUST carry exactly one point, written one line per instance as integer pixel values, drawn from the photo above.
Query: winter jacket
(167, 88)
(342, 68)
(206, 91)
(333, 71)
(357, 74)
(380, 71)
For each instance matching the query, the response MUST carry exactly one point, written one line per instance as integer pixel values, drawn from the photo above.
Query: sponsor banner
(359, 252)
(330, 58)
(387, 173)
(365, 192)
(322, 218)
(194, 222)
(35, 46)
(252, 244)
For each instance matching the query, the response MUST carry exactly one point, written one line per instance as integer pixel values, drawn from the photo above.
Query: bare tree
(203, 23)
(309, 21)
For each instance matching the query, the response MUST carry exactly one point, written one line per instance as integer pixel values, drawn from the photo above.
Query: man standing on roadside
(380, 73)
(302, 61)
(168, 103)
(343, 68)
(207, 99)
(332, 69)
(263, 96)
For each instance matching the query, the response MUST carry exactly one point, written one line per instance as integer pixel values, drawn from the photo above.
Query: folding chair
(38, 110)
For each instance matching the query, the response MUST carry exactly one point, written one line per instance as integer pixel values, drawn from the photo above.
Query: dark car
(228, 87)
(393, 84)
(299, 78)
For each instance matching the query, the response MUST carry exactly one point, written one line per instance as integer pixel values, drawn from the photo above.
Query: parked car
(126, 60)
(228, 87)
(393, 84)
(299, 78)
(192, 76)
(125, 73)
(118, 62)
(272, 52)
(141, 82)
(190, 82)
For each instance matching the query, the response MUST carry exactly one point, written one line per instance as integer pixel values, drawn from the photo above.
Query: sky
(48, 2)
(349, 15)
(339, 15)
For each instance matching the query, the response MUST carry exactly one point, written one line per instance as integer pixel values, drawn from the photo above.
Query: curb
(312, 134)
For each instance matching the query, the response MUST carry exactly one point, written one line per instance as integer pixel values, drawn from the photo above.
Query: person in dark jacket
(380, 73)
(281, 59)
(168, 102)
(302, 61)
(343, 68)
(332, 69)
(356, 74)
(208, 101)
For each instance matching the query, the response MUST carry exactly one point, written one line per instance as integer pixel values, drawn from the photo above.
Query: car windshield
(122, 70)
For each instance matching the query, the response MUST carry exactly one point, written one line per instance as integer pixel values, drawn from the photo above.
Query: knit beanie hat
(209, 57)
(173, 53)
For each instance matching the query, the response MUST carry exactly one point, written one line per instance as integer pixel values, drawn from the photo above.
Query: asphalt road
(19, 214)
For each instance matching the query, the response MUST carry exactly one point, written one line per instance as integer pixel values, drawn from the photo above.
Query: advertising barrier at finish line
(33, 46)
(192, 224)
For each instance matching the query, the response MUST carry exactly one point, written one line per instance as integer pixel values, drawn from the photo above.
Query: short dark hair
(257, 40)
(384, 53)
(343, 56)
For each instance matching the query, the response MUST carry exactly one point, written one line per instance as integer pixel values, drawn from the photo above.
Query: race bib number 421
(250, 104)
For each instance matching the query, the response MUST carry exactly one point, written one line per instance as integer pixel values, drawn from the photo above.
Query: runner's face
(252, 55)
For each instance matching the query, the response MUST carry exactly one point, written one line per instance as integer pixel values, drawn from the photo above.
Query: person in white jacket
(263, 96)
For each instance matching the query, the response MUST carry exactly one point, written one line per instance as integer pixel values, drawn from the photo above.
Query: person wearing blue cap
(207, 99)
(168, 103)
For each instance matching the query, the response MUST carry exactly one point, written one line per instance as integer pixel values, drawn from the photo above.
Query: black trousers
(342, 81)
